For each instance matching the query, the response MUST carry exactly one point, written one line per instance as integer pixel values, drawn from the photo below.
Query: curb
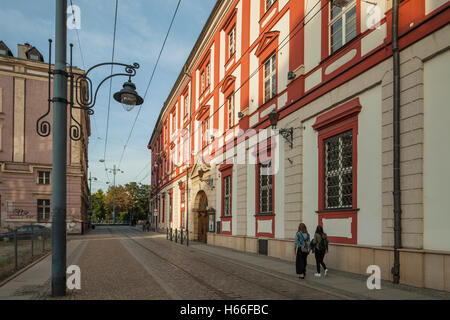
(18, 273)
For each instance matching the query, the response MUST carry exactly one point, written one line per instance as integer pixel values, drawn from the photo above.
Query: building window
(342, 24)
(338, 175)
(43, 206)
(269, 4)
(270, 78)
(186, 104)
(205, 132)
(43, 177)
(202, 87)
(174, 122)
(230, 111)
(227, 196)
(232, 42)
(10, 207)
(208, 75)
(265, 188)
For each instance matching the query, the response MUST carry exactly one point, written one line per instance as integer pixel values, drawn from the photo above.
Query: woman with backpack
(319, 247)
(301, 247)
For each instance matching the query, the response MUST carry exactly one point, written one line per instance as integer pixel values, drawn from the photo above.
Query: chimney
(21, 49)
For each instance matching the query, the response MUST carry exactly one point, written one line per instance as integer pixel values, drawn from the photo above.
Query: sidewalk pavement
(347, 285)
(34, 282)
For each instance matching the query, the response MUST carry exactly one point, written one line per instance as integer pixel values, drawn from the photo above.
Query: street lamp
(114, 171)
(90, 196)
(83, 86)
(287, 134)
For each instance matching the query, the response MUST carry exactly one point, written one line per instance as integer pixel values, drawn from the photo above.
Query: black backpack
(323, 244)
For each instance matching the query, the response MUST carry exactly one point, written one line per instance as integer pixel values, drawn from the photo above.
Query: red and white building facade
(326, 68)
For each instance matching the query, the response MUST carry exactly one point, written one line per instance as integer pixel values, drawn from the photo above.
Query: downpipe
(396, 127)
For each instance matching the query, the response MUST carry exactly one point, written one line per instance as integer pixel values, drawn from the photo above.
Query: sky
(141, 28)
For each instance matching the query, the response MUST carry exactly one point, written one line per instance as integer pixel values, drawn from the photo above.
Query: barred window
(342, 24)
(265, 188)
(338, 157)
(43, 209)
(227, 196)
(43, 177)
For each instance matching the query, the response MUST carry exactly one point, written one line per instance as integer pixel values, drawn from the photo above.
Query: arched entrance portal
(201, 205)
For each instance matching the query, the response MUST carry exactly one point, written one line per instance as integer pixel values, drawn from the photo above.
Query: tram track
(219, 267)
(203, 283)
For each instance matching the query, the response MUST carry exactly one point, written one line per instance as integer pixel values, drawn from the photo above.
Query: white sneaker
(317, 274)
(326, 271)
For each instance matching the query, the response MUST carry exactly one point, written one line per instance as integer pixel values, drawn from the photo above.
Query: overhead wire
(110, 82)
(84, 67)
(150, 81)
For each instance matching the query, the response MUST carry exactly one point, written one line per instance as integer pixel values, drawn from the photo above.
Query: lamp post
(83, 85)
(90, 196)
(114, 171)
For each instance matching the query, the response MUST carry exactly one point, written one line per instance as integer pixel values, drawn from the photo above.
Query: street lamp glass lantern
(273, 118)
(128, 95)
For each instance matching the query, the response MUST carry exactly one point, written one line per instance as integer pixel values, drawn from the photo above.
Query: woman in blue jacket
(301, 247)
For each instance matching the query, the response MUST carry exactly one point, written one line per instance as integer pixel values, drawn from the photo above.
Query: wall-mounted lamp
(291, 75)
(287, 134)
(208, 181)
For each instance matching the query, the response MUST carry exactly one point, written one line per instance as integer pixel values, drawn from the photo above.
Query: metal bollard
(167, 233)
(176, 235)
(181, 236)
(15, 250)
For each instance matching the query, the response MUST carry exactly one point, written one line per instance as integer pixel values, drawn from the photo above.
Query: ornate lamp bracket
(84, 95)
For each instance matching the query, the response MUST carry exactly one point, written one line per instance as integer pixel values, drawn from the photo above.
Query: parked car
(25, 232)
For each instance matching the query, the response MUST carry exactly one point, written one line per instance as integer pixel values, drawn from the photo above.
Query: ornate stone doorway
(201, 205)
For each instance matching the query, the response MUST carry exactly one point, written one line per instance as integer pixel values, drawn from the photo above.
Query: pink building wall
(23, 153)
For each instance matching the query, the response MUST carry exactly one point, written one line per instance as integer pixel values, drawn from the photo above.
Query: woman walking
(319, 247)
(301, 247)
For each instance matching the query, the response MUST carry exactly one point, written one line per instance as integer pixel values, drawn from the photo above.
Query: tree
(98, 205)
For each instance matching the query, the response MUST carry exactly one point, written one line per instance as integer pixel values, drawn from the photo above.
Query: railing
(177, 235)
(19, 248)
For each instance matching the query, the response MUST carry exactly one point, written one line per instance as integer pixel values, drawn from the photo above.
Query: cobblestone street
(121, 262)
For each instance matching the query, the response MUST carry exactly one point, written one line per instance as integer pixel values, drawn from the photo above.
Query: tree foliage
(132, 200)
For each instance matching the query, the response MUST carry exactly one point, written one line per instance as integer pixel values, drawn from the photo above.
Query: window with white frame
(265, 188)
(208, 75)
(202, 87)
(342, 24)
(230, 111)
(269, 3)
(227, 196)
(338, 175)
(270, 78)
(232, 42)
(43, 206)
(43, 177)
(9, 206)
(186, 103)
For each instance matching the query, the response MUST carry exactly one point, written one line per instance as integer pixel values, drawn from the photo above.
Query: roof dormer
(4, 50)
